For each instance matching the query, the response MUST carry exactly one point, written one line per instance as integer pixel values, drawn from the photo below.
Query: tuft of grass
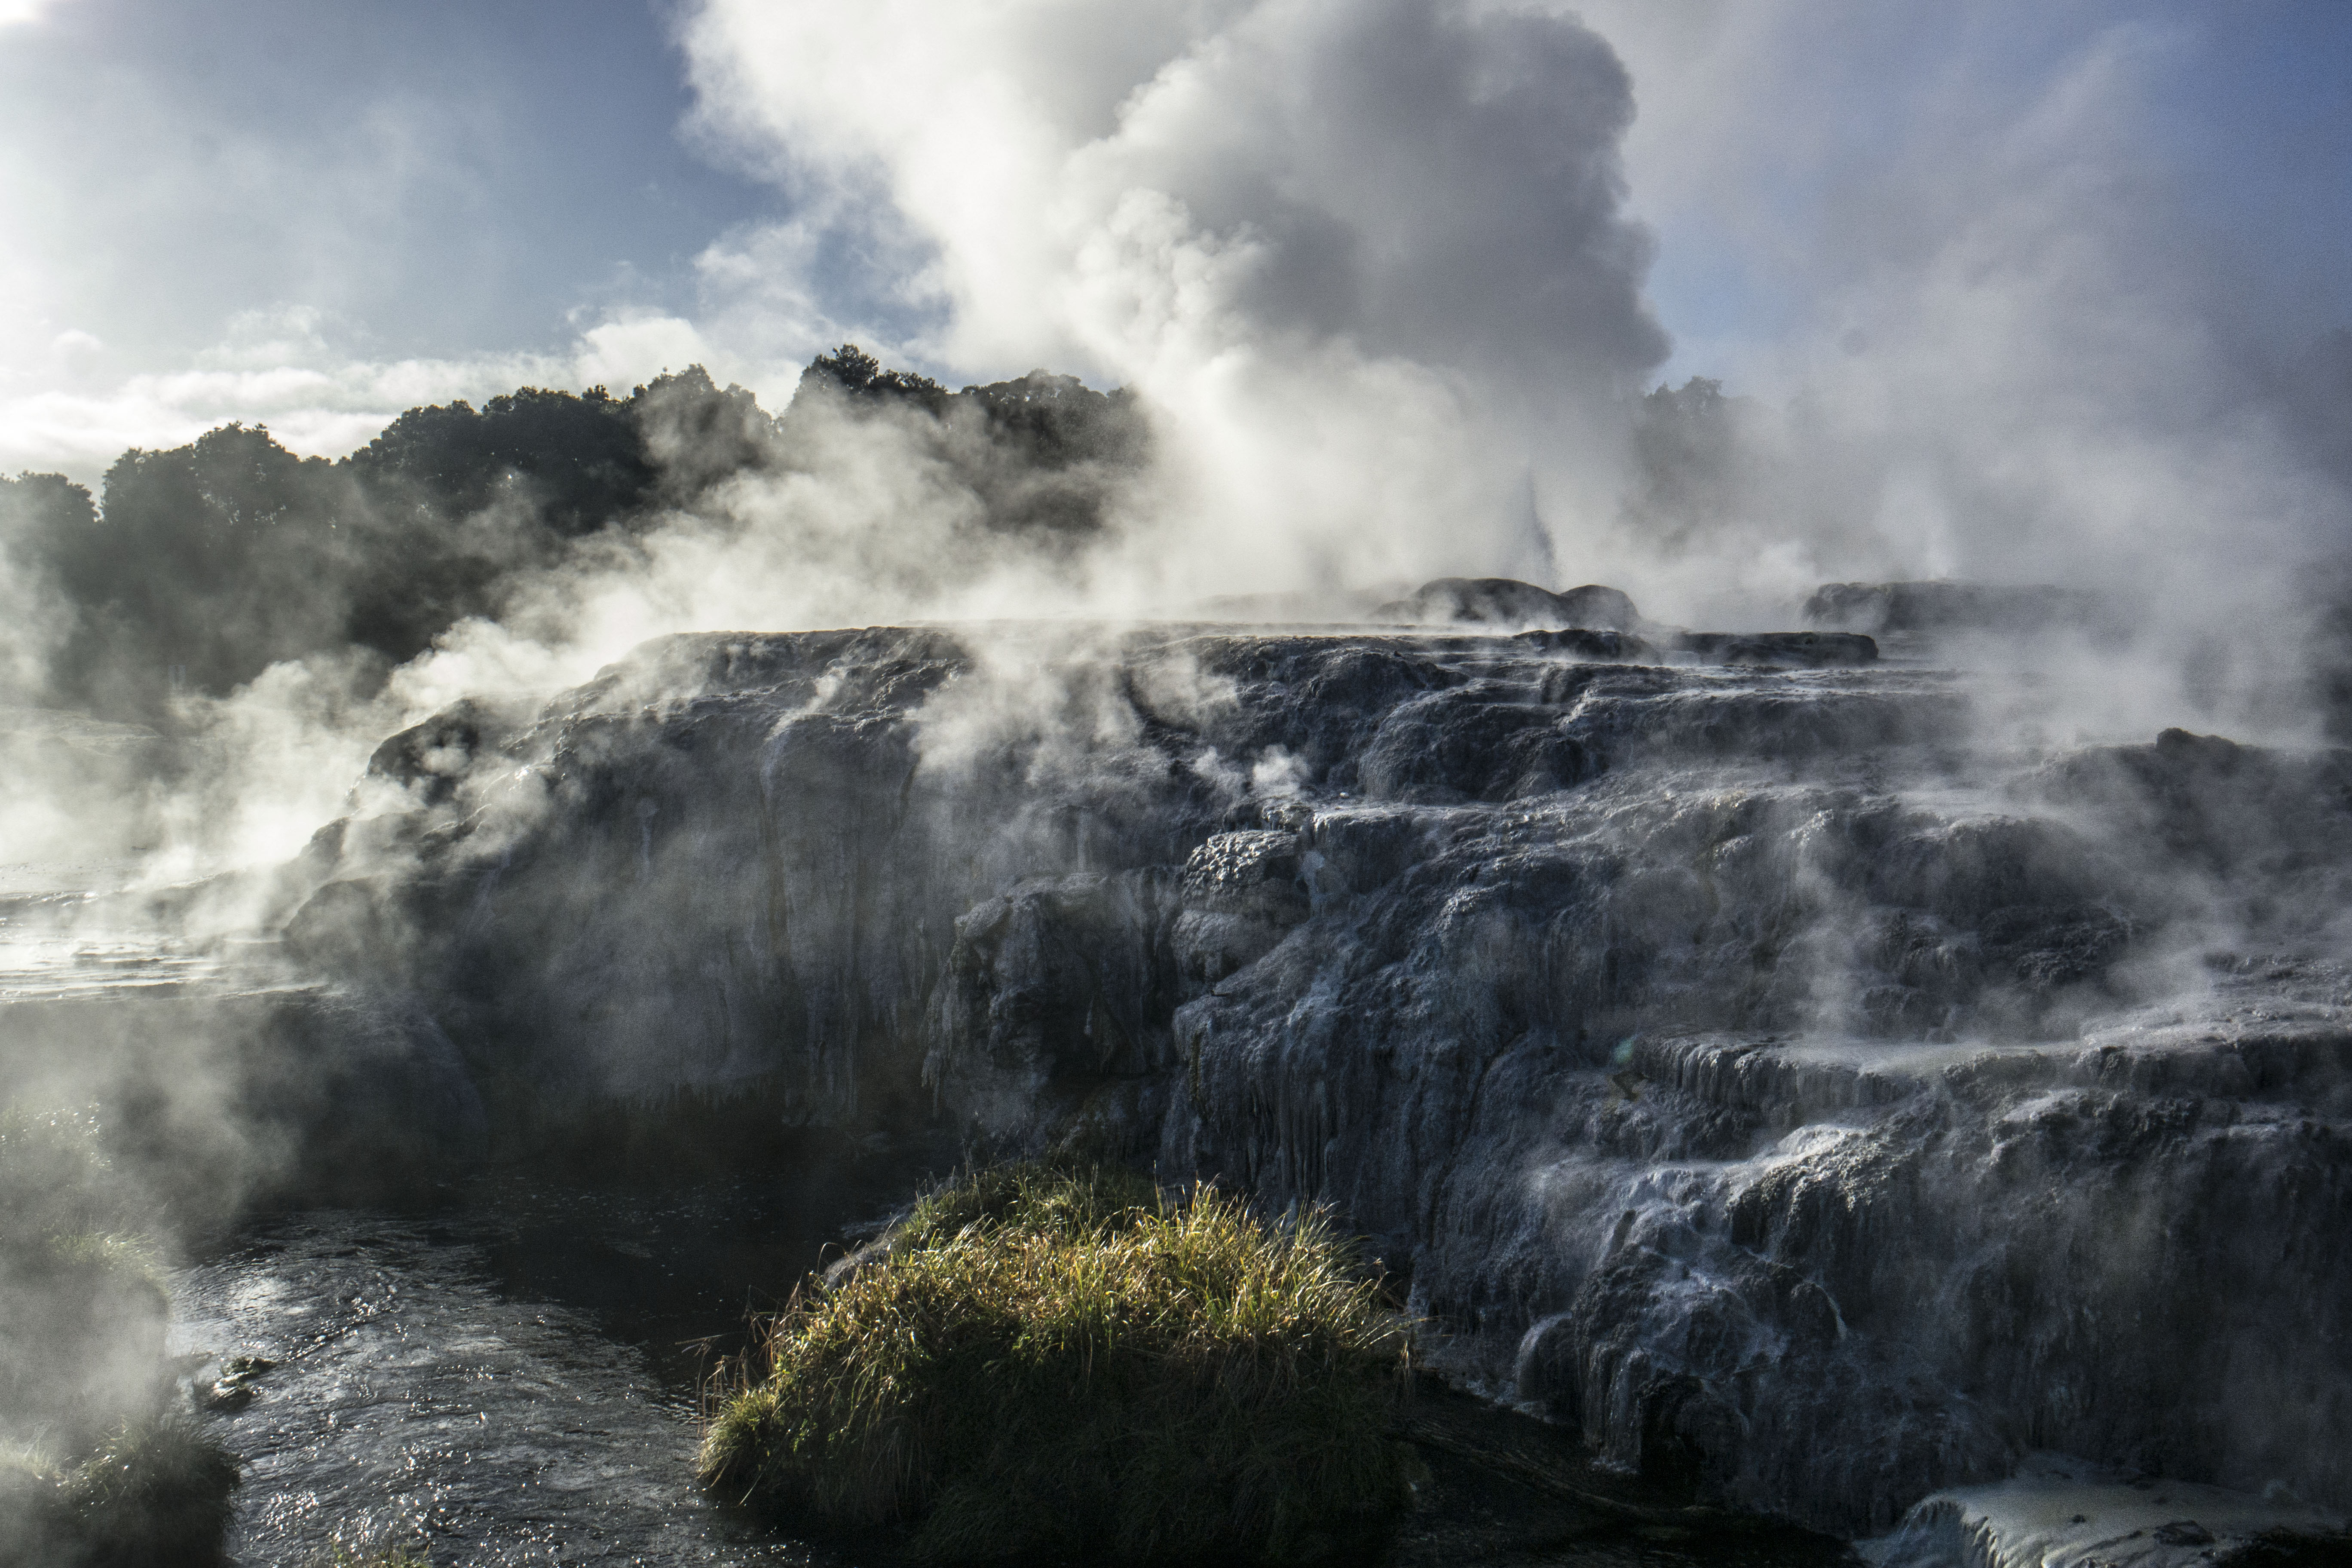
(154, 1492)
(83, 1311)
(119, 1265)
(1071, 1196)
(55, 1175)
(82, 1321)
(1052, 1360)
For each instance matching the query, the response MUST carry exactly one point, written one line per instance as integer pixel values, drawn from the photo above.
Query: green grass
(116, 1479)
(1053, 1362)
(154, 1492)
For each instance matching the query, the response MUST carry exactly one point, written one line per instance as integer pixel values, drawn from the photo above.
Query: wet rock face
(1745, 1066)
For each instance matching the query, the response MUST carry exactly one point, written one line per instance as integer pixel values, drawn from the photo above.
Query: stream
(508, 1377)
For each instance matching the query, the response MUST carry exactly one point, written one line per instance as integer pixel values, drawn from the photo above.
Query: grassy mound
(1051, 1361)
(96, 1469)
(154, 1492)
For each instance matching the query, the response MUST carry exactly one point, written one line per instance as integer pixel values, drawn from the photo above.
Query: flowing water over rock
(436, 1381)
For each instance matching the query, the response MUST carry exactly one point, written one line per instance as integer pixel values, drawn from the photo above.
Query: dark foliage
(1041, 452)
(207, 563)
(856, 374)
(1688, 460)
(1055, 421)
(154, 1495)
(202, 568)
(580, 461)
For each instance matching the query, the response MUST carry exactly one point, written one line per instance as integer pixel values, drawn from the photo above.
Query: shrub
(55, 1177)
(155, 1492)
(83, 1311)
(1054, 1361)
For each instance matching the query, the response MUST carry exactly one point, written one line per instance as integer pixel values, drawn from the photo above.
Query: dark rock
(1505, 601)
(1807, 651)
(1945, 606)
(433, 757)
(1615, 648)
(226, 1395)
(1797, 1103)
(1596, 608)
(1055, 992)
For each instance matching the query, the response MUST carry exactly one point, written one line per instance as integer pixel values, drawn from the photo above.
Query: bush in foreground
(1054, 1361)
(154, 1493)
(96, 1468)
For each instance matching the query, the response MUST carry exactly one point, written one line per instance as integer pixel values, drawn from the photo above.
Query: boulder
(1947, 606)
(1505, 601)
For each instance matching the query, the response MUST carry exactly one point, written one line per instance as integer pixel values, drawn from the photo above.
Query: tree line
(195, 569)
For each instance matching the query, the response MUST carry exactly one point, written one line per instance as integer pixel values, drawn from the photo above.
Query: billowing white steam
(1366, 258)
(1374, 267)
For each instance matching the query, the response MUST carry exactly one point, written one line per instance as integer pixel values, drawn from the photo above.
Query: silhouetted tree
(205, 563)
(856, 374)
(1055, 421)
(579, 462)
(1686, 459)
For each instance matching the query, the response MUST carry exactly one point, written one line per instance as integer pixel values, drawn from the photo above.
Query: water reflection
(508, 1377)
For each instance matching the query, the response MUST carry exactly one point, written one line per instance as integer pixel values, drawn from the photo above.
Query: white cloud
(2014, 354)
(16, 12)
(285, 369)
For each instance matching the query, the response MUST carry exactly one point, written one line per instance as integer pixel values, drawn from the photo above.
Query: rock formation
(1505, 601)
(1749, 1063)
(1947, 606)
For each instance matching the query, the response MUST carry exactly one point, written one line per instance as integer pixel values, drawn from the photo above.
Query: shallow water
(507, 1378)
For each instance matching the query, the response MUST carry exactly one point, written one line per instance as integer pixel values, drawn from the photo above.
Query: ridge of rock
(1747, 1064)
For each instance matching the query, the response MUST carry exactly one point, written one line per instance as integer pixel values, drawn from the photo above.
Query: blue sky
(2234, 123)
(199, 196)
(445, 176)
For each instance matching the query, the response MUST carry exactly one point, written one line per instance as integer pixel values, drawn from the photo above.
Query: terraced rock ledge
(1760, 1062)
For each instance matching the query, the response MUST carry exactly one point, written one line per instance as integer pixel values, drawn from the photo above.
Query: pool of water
(507, 1376)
